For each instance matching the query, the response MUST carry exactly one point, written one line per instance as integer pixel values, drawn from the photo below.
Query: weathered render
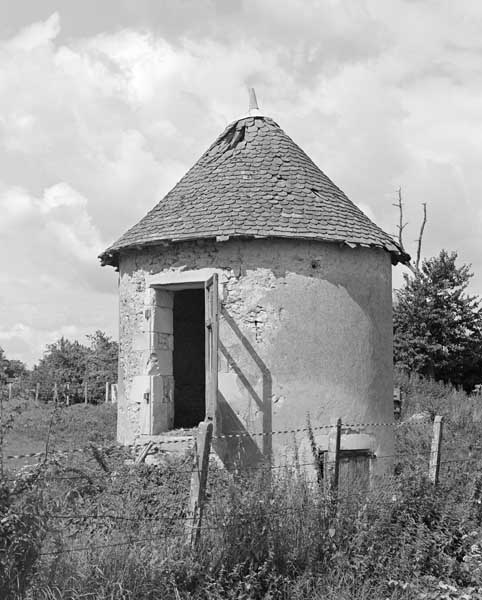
(304, 325)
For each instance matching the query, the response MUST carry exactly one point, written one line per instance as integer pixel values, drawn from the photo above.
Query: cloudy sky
(104, 105)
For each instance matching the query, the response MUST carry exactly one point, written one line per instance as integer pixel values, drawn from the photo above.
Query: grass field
(66, 428)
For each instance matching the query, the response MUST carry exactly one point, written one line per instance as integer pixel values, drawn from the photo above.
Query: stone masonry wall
(305, 327)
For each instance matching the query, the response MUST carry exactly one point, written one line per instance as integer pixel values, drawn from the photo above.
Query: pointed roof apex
(253, 104)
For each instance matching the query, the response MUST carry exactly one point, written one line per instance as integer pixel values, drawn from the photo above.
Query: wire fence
(89, 390)
(100, 497)
(185, 438)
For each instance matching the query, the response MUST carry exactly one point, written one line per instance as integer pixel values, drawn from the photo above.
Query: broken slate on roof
(254, 181)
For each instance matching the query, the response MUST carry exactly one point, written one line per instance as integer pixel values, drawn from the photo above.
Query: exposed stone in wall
(304, 327)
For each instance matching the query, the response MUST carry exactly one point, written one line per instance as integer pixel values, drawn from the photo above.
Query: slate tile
(236, 186)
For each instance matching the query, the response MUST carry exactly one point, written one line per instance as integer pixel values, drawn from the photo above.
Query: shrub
(23, 525)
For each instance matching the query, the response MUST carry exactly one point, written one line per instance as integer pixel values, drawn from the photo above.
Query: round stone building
(256, 293)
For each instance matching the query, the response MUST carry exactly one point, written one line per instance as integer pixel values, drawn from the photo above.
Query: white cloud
(61, 195)
(28, 344)
(50, 284)
(94, 130)
(56, 223)
(36, 35)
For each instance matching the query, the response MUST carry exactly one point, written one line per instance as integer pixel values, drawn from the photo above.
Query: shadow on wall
(235, 452)
(243, 451)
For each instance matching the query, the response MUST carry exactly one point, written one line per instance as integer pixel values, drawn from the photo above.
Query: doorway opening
(189, 367)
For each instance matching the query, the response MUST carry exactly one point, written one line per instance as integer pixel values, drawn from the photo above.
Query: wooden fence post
(67, 394)
(10, 385)
(86, 392)
(56, 393)
(332, 465)
(144, 452)
(434, 468)
(202, 448)
(336, 458)
(113, 393)
(1, 434)
(37, 391)
(397, 403)
(107, 391)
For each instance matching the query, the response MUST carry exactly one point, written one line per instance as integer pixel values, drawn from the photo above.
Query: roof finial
(253, 104)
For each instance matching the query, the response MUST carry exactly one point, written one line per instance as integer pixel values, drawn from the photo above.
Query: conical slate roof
(254, 181)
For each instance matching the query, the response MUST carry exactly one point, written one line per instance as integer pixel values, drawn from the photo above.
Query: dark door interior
(188, 358)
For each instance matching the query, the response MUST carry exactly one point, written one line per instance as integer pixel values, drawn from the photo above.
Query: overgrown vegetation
(95, 525)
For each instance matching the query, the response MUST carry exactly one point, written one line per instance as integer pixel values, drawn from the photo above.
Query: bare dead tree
(419, 241)
(401, 226)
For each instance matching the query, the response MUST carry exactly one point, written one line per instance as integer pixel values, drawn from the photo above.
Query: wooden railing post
(434, 468)
(202, 448)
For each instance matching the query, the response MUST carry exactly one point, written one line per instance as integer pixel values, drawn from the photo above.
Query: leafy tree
(63, 364)
(437, 325)
(16, 369)
(101, 364)
(3, 366)
(71, 366)
(11, 369)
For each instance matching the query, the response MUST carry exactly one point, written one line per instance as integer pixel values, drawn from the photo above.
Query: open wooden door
(211, 339)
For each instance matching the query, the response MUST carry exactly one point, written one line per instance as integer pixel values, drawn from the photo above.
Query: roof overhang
(110, 257)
